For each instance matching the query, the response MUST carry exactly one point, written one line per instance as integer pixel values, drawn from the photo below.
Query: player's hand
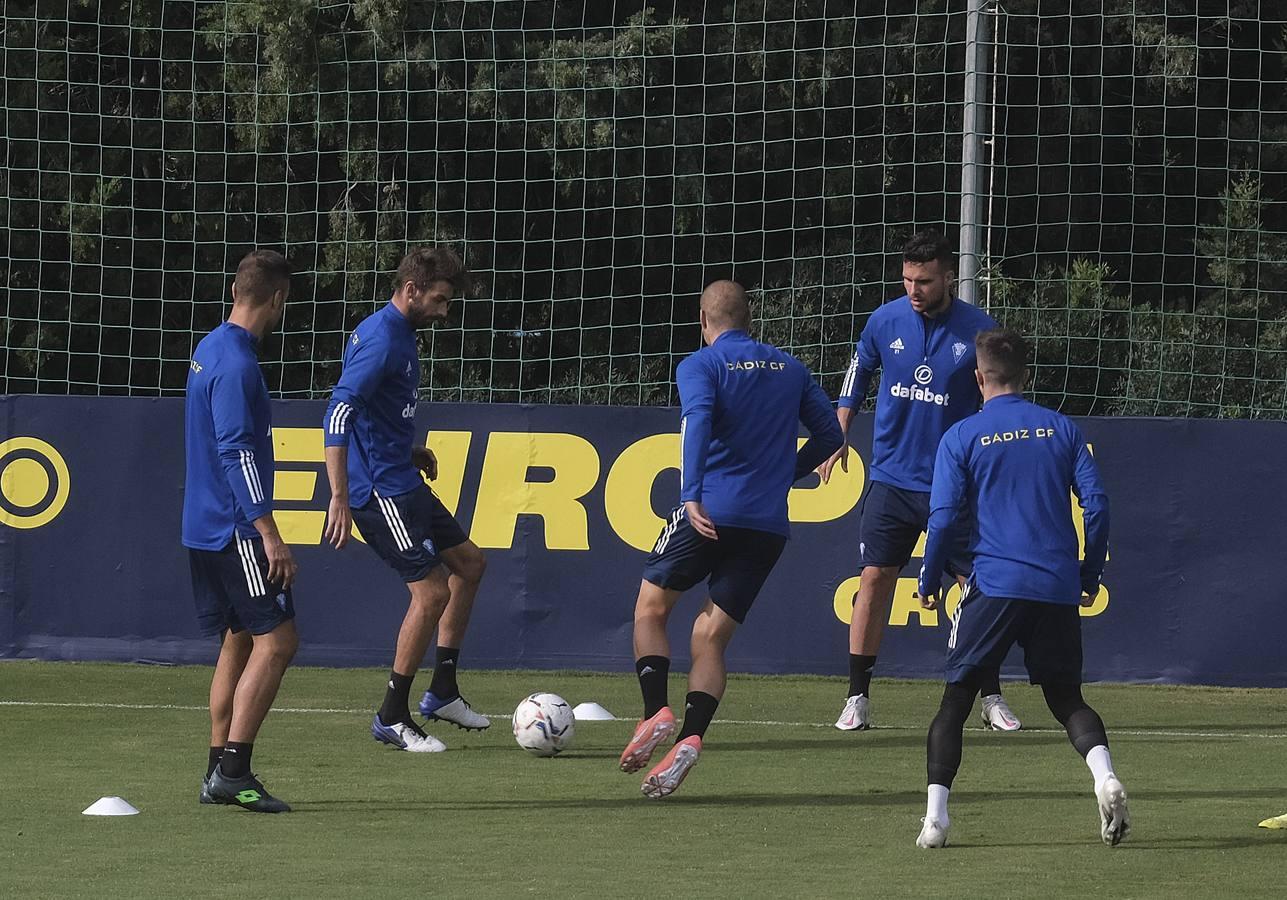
(701, 522)
(1088, 597)
(281, 564)
(424, 460)
(339, 522)
(841, 456)
(928, 601)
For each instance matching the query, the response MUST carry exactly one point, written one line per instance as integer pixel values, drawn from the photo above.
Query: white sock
(936, 808)
(1100, 764)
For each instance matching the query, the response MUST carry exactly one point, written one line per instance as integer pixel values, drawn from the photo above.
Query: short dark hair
(423, 266)
(1002, 356)
(260, 274)
(926, 246)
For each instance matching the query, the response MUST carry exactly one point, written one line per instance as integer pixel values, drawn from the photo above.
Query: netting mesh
(597, 164)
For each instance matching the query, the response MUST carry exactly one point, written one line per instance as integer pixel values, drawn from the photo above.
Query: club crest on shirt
(409, 367)
(897, 346)
(958, 350)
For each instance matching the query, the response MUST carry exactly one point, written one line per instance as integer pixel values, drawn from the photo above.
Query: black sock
(215, 753)
(443, 685)
(860, 674)
(991, 682)
(653, 672)
(699, 709)
(235, 762)
(395, 708)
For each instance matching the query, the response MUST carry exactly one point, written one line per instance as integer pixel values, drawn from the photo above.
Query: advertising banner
(566, 501)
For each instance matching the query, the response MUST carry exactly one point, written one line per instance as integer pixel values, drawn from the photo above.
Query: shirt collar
(243, 334)
(391, 310)
(1004, 398)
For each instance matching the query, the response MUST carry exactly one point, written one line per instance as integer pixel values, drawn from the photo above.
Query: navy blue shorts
(409, 531)
(737, 564)
(985, 628)
(891, 523)
(232, 591)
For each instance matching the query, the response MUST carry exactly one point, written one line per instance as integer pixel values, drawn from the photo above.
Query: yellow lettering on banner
(504, 493)
(627, 495)
(905, 604)
(832, 500)
(300, 526)
(451, 449)
(294, 485)
(952, 600)
(298, 445)
(843, 602)
(1098, 606)
(901, 609)
(918, 552)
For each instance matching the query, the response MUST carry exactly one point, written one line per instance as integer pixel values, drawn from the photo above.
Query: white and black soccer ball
(544, 724)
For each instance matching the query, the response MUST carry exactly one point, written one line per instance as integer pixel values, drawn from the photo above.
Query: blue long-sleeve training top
(228, 442)
(1012, 466)
(373, 408)
(926, 384)
(742, 404)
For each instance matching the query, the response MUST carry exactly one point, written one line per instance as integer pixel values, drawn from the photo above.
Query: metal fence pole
(973, 124)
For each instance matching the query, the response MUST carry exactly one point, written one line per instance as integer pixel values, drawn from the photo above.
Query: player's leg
(983, 630)
(393, 724)
(741, 562)
(679, 559)
(400, 531)
(652, 667)
(943, 755)
(1053, 655)
(707, 678)
(891, 521)
(866, 628)
(443, 699)
(268, 614)
(234, 651)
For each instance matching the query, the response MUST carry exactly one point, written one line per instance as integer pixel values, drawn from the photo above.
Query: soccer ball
(544, 724)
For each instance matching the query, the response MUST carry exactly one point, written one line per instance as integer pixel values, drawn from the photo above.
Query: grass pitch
(781, 805)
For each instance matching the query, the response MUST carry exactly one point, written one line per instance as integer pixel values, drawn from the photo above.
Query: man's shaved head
(726, 306)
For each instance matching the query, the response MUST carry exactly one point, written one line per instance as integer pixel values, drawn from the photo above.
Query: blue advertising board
(565, 501)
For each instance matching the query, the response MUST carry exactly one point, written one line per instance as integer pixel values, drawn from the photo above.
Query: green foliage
(598, 168)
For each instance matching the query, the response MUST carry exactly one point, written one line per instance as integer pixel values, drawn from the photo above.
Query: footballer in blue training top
(1009, 468)
(923, 345)
(375, 470)
(241, 568)
(742, 404)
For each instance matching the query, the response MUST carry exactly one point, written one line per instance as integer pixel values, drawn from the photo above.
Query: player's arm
(697, 402)
(363, 372)
(824, 432)
(1094, 503)
(946, 493)
(865, 362)
(231, 396)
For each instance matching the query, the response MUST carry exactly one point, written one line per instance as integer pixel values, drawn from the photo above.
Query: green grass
(771, 811)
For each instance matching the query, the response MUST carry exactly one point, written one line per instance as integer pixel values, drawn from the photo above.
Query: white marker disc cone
(591, 712)
(110, 806)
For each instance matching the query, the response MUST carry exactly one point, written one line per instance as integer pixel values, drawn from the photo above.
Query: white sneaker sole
(665, 783)
(1114, 817)
(638, 757)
